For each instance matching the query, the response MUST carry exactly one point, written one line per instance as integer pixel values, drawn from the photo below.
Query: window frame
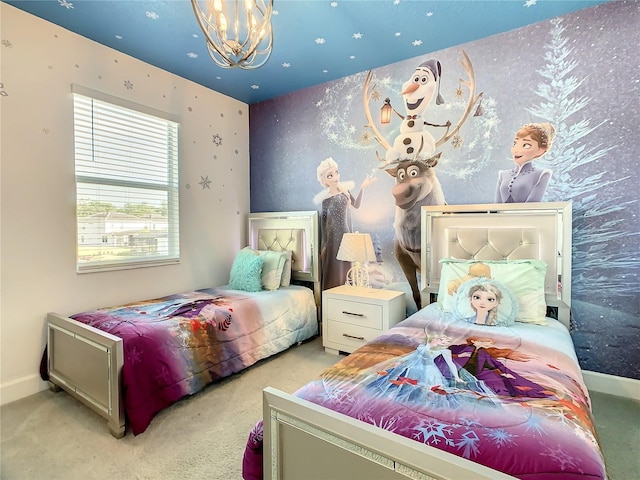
(127, 181)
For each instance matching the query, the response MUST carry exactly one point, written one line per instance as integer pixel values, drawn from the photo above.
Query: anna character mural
(525, 183)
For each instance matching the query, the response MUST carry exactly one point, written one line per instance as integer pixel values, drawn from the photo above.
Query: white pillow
(272, 268)
(285, 281)
(524, 278)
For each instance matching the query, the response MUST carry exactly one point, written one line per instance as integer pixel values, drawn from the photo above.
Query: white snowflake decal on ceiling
(217, 140)
(152, 15)
(65, 4)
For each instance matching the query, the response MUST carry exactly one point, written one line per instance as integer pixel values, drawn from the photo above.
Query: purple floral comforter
(176, 345)
(511, 398)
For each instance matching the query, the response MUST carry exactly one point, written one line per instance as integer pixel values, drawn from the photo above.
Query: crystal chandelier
(238, 32)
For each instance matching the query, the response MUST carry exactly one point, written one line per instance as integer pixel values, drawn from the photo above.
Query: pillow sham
(524, 278)
(484, 301)
(246, 271)
(272, 268)
(285, 281)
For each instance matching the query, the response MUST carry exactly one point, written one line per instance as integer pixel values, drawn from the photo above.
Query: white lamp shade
(356, 247)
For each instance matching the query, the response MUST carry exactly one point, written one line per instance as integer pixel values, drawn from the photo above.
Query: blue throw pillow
(484, 301)
(246, 272)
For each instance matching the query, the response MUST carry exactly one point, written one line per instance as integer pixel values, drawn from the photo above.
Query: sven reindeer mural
(412, 157)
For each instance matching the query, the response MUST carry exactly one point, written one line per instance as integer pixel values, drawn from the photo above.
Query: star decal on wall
(217, 140)
(205, 182)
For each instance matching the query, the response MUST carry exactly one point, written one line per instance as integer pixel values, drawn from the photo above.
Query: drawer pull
(354, 314)
(352, 336)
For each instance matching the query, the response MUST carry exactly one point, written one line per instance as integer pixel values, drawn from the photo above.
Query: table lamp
(358, 249)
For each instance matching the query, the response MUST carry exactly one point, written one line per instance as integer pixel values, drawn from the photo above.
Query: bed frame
(295, 231)
(87, 362)
(304, 440)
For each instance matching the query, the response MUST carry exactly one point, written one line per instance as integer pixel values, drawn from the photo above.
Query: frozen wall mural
(578, 73)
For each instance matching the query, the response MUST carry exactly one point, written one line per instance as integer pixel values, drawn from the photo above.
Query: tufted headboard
(511, 231)
(295, 231)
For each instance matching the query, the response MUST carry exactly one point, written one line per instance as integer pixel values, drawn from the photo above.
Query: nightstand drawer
(355, 313)
(349, 336)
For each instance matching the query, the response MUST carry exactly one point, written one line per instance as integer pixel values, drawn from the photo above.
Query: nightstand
(351, 316)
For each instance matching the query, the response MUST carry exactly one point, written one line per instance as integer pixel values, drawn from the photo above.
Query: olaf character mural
(412, 158)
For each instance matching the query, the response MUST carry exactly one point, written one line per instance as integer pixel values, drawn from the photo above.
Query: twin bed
(454, 391)
(129, 362)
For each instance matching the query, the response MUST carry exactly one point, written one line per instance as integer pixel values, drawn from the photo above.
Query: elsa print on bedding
(428, 374)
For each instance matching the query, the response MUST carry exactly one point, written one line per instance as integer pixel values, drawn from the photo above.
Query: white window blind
(126, 165)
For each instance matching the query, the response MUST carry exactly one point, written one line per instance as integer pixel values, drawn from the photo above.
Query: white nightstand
(351, 316)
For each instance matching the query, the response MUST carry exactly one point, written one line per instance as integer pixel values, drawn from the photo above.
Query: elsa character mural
(525, 183)
(335, 219)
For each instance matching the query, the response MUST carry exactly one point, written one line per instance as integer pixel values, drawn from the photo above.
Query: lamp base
(358, 276)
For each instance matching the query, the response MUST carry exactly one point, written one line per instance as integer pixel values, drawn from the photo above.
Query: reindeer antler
(366, 98)
(471, 101)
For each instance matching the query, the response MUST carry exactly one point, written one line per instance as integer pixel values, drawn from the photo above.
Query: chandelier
(238, 32)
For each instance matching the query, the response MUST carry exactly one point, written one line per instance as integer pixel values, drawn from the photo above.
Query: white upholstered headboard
(506, 231)
(295, 231)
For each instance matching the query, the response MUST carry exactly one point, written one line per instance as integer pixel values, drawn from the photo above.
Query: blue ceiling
(315, 41)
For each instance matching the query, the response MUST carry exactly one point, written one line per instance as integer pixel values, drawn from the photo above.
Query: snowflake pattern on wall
(205, 182)
(217, 140)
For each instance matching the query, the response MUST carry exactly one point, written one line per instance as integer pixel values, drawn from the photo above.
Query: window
(126, 165)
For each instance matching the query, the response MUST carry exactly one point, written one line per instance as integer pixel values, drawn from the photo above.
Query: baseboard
(612, 385)
(18, 389)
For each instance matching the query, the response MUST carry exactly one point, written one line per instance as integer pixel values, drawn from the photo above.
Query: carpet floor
(50, 436)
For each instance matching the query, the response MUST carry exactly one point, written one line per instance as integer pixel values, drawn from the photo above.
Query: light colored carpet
(51, 436)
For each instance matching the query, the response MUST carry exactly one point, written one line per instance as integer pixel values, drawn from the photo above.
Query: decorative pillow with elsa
(484, 301)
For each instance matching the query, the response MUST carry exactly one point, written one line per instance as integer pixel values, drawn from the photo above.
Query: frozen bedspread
(510, 398)
(176, 345)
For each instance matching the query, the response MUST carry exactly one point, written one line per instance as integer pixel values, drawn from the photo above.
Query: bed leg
(54, 388)
(117, 431)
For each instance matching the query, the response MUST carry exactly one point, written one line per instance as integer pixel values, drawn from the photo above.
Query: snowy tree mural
(599, 208)
(605, 249)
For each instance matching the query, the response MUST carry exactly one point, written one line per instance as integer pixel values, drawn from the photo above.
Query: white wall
(39, 62)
